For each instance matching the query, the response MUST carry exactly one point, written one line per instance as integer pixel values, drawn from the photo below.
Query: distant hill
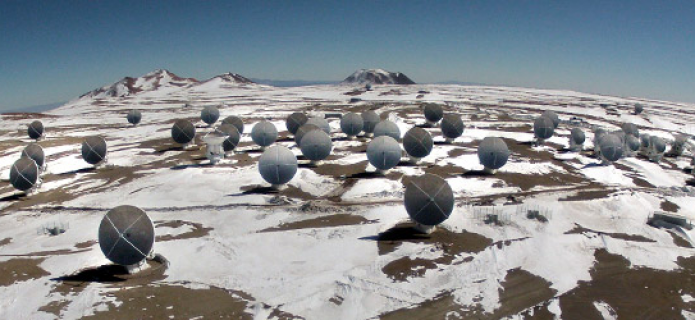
(377, 76)
(162, 81)
(149, 82)
(37, 108)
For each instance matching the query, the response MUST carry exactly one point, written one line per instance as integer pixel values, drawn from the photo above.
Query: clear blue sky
(56, 50)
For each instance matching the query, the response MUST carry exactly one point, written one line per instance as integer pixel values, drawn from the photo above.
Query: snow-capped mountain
(223, 82)
(377, 76)
(230, 78)
(153, 81)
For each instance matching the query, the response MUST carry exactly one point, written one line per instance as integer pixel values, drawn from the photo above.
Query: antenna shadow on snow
(405, 163)
(398, 233)
(476, 173)
(527, 143)
(366, 175)
(13, 197)
(172, 148)
(83, 170)
(255, 189)
(307, 165)
(593, 165)
(103, 274)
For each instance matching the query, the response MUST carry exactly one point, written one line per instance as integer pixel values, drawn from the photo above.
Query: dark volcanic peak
(149, 82)
(377, 76)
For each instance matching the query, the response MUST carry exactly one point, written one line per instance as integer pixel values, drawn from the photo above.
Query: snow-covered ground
(338, 270)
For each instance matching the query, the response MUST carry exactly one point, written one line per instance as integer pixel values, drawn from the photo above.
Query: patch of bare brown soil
(198, 230)
(402, 269)
(623, 236)
(16, 270)
(336, 220)
(341, 170)
(528, 181)
(5, 241)
(633, 292)
(680, 241)
(288, 191)
(588, 195)
(86, 244)
(669, 206)
(173, 301)
(354, 93)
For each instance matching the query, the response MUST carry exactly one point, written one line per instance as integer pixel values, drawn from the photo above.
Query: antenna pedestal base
(278, 187)
(489, 170)
(424, 228)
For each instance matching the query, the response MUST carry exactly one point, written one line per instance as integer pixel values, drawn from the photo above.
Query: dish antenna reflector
(294, 121)
(452, 127)
(35, 130)
(34, 152)
(493, 154)
(577, 139)
(611, 148)
(316, 146)
(232, 136)
(303, 130)
(209, 115)
(657, 147)
(678, 146)
(94, 150)
(384, 153)
(433, 113)
(630, 129)
(351, 124)
(24, 175)
(429, 201)
(235, 121)
(277, 166)
(552, 116)
(134, 116)
(321, 123)
(639, 108)
(632, 145)
(126, 235)
(543, 129)
(417, 143)
(183, 132)
(371, 119)
(264, 134)
(387, 128)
